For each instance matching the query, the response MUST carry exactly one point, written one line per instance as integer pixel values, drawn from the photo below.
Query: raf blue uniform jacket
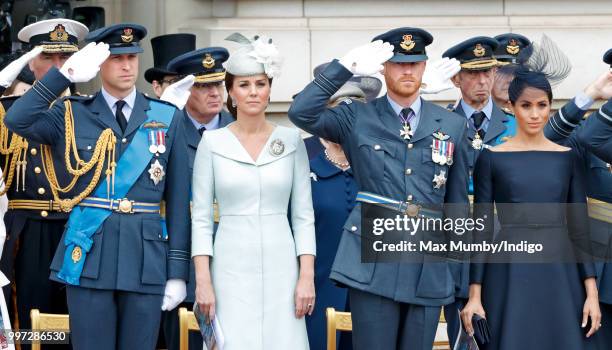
(370, 136)
(130, 251)
(192, 136)
(592, 138)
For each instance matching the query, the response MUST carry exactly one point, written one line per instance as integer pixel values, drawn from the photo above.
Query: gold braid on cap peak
(15, 152)
(490, 63)
(105, 147)
(207, 78)
(59, 48)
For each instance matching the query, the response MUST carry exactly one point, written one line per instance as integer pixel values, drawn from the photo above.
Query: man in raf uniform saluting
(126, 153)
(487, 125)
(394, 305)
(34, 222)
(592, 138)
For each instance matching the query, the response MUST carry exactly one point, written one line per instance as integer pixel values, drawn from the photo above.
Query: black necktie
(201, 130)
(478, 118)
(119, 115)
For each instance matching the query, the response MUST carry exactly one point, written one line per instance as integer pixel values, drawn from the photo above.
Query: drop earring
(233, 103)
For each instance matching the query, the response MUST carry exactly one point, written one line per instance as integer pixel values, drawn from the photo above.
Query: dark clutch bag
(481, 329)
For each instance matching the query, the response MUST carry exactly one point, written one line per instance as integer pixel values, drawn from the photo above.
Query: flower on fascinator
(266, 53)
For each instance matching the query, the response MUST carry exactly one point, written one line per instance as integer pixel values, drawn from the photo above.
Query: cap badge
(513, 47)
(58, 34)
(479, 50)
(127, 35)
(208, 62)
(407, 44)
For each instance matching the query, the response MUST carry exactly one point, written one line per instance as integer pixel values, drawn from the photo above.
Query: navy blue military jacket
(592, 138)
(130, 251)
(385, 164)
(192, 136)
(501, 127)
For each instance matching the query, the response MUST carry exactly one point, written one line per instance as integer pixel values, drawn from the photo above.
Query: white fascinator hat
(255, 56)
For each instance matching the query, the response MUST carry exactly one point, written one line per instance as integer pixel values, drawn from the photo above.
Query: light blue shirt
(488, 111)
(127, 108)
(416, 108)
(211, 125)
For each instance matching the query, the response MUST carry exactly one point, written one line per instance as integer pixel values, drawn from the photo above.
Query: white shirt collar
(469, 110)
(211, 125)
(397, 108)
(111, 100)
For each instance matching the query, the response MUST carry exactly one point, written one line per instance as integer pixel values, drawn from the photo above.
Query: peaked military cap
(408, 43)
(54, 35)
(206, 64)
(165, 48)
(123, 38)
(474, 53)
(370, 86)
(510, 46)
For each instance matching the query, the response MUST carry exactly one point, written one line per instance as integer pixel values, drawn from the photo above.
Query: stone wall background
(310, 32)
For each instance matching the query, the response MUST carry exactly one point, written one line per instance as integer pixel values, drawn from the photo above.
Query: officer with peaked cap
(394, 304)
(126, 153)
(487, 124)
(592, 138)
(165, 48)
(34, 223)
(511, 46)
(512, 49)
(203, 112)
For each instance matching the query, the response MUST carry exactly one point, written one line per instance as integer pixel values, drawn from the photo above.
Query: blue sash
(85, 221)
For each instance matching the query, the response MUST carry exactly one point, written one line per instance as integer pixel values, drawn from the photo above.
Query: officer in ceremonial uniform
(165, 48)
(126, 153)
(593, 139)
(203, 111)
(34, 222)
(389, 144)
(512, 50)
(487, 125)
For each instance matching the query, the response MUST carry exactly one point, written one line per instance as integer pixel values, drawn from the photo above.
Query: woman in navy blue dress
(544, 306)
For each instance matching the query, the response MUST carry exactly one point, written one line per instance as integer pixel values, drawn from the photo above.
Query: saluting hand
(367, 59)
(83, 65)
(601, 88)
(178, 93)
(10, 72)
(437, 76)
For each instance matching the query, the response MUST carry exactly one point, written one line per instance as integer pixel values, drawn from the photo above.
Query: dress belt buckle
(125, 206)
(412, 210)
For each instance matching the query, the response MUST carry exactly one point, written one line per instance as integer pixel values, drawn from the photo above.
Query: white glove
(174, 294)
(178, 93)
(437, 76)
(83, 65)
(10, 72)
(367, 60)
